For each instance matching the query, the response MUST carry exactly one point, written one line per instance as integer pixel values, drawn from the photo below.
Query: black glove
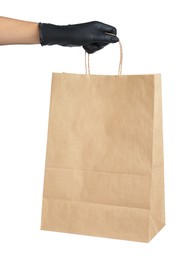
(93, 36)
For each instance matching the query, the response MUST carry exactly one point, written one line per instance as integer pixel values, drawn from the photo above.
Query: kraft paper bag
(104, 163)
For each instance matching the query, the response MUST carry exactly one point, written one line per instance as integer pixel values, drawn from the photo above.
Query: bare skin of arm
(13, 31)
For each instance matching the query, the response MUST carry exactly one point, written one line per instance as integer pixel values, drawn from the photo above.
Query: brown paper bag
(104, 162)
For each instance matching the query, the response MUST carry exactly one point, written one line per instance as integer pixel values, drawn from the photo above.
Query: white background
(157, 38)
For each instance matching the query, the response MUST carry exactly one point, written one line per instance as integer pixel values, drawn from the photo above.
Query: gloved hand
(93, 36)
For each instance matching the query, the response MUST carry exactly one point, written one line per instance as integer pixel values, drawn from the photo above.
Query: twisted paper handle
(87, 61)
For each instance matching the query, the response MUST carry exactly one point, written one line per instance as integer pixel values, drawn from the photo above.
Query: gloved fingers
(105, 38)
(93, 47)
(88, 49)
(108, 28)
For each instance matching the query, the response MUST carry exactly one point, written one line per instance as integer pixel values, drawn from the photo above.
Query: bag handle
(87, 61)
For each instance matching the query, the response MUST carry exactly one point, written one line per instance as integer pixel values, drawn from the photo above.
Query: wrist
(50, 34)
(47, 34)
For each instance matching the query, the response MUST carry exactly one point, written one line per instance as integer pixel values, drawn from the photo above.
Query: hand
(93, 36)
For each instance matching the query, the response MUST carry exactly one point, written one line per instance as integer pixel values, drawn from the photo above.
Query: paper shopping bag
(104, 162)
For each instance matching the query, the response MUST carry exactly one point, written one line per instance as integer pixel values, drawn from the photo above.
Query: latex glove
(93, 36)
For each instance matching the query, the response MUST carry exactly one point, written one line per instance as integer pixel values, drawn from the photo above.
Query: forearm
(13, 31)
